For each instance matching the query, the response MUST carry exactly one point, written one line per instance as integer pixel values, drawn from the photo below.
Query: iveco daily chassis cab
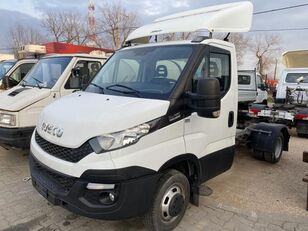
(50, 79)
(156, 122)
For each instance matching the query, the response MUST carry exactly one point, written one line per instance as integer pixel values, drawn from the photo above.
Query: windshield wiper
(131, 90)
(38, 82)
(99, 87)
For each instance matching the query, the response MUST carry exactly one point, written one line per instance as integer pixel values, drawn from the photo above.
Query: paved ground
(253, 195)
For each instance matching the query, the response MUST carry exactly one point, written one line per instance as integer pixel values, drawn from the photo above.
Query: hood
(84, 115)
(295, 59)
(20, 97)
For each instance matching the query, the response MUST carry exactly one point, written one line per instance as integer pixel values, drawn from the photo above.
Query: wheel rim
(172, 203)
(278, 148)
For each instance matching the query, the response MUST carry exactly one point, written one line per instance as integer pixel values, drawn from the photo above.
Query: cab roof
(80, 55)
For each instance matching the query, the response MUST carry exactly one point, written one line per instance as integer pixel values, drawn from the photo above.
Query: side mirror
(76, 72)
(206, 102)
(9, 82)
(263, 86)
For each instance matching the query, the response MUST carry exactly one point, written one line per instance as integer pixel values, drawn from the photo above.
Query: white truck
(13, 71)
(250, 82)
(291, 103)
(157, 121)
(52, 77)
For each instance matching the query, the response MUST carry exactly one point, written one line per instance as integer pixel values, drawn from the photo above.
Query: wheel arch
(187, 163)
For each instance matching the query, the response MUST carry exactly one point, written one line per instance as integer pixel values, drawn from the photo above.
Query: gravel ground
(253, 195)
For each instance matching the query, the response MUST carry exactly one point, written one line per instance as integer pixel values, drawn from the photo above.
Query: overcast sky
(31, 11)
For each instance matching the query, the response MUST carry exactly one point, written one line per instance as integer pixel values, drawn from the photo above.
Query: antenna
(91, 24)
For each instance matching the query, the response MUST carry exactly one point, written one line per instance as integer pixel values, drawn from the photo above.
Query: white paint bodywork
(28, 104)
(86, 115)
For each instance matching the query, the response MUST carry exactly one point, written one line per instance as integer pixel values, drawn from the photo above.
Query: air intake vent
(16, 92)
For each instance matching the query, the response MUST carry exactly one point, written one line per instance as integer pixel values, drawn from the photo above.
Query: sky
(30, 12)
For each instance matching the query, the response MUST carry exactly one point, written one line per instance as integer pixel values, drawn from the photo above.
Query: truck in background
(54, 76)
(250, 81)
(291, 102)
(156, 122)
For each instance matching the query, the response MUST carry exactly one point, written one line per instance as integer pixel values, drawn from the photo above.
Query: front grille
(64, 182)
(68, 154)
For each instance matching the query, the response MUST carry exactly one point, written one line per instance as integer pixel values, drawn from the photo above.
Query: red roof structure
(67, 48)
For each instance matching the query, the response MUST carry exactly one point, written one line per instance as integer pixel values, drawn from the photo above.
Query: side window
(83, 72)
(21, 71)
(201, 73)
(220, 68)
(127, 71)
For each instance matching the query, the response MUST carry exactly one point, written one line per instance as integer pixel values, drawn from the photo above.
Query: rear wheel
(170, 202)
(275, 155)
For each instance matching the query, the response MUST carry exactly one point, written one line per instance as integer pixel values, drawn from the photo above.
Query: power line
(280, 9)
(279, 29)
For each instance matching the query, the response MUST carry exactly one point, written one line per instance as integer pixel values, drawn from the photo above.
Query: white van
(13, 71)
(156, 122)
(249, 82)
(50, 79)
(292, 87)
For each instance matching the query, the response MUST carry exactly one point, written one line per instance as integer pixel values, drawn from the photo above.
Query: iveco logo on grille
(52, 130)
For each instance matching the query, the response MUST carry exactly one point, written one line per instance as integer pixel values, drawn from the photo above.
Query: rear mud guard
(263, 136)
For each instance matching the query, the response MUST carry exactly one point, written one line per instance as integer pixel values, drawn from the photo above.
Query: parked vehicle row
(148, 129)
(52, 77)
(291, 103)
(138, 134)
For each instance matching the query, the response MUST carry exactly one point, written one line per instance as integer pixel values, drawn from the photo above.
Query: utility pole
(91, 24)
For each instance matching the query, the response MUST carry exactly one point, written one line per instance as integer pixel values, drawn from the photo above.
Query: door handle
(231, 119)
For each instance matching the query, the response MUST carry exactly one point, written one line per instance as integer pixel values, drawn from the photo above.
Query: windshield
(46, 72)
(147, 72)
(5, 67)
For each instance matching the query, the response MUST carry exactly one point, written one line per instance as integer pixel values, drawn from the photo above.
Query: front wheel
(170, 202)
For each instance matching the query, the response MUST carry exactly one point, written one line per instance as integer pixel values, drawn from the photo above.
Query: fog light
(95, 186)
(111, 197)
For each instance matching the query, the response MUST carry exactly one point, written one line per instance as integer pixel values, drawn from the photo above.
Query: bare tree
(266, 48)
(20, 35)
(65, 27)
(116, 23)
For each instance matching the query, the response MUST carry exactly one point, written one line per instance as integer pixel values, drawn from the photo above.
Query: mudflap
(263, 136)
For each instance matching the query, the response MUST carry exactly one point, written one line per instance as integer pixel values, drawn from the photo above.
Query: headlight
(108, 142)
(7, 119)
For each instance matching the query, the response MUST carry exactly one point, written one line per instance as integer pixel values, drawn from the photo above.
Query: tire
(258, 155)
(173, 191)
(274, 156)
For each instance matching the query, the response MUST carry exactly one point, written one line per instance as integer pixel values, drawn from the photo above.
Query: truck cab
(292, 87)
(52, 77)
(13, 71)
(158, 120)
(251, 87)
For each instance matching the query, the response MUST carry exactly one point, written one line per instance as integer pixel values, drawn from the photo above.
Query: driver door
(212, 139)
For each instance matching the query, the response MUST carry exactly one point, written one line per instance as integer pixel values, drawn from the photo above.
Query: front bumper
(133, 196)
(16, 137)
